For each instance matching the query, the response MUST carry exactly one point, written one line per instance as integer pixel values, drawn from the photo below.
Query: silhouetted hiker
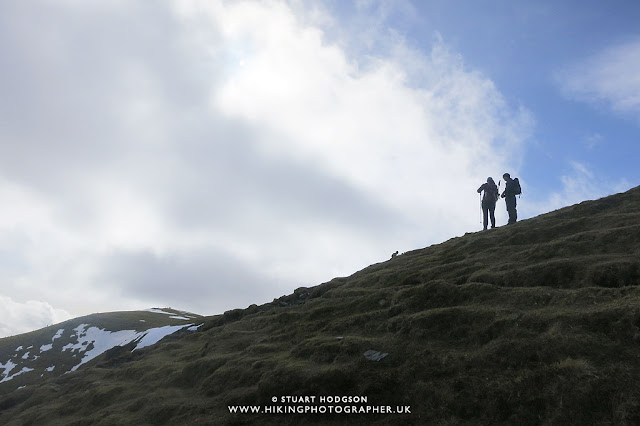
(489, 202)
(511, 189)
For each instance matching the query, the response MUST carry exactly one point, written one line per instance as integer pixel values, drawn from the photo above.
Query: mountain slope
(55, 350)
(534, 323)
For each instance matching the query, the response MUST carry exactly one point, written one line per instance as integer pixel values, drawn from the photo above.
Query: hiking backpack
(491, 192)
(516, 186)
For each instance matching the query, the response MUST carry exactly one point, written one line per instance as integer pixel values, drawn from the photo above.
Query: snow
(8, 366)
(58, 334)
(195, 327)
(45, 348)
(50, 369)
(24, 370)
(104, 340)
(25, 356)
(19, 348)
(81, 329)
(187, 316)
(153, 335)
(158, 311)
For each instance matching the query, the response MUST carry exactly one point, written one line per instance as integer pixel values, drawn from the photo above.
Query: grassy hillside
(535, 323)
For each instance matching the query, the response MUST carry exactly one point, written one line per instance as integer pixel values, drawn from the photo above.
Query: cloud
(23, 317)
(579, 183)
(201, 277)
(610, 77)
(210, 155)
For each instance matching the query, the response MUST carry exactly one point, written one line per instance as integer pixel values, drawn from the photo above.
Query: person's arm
(508, 189)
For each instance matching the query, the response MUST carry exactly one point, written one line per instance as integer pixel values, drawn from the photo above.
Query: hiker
(489, 202)
(511, 189)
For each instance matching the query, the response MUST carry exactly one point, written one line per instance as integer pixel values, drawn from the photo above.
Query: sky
(209, 155)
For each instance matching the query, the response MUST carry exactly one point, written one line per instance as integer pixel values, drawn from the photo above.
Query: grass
(535, 323)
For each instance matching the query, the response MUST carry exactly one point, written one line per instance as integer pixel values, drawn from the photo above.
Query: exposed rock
(372, 355)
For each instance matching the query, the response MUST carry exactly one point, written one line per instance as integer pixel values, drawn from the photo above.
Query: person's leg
(485, 212)
(511, 209)
(492, 215)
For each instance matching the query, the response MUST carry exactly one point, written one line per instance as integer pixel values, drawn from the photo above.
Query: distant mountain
(532, 323)
(28, 359)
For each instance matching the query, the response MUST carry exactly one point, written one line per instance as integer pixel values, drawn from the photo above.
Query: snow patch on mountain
(186, 315)
(7, 367)
(24, 370)
(94, 341)
(153, 335)
(58, 334)
(158, 311)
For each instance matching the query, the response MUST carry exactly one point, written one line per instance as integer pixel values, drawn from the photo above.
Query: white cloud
(368, 122)
(220, 154)
(610, 77)
(21, 317)
(579, 183)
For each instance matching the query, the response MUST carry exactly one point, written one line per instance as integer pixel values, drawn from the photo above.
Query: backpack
(516, 187)
(491, 192)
